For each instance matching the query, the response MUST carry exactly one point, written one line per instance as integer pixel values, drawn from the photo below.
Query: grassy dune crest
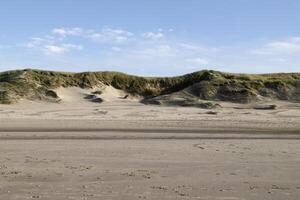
(202, 85)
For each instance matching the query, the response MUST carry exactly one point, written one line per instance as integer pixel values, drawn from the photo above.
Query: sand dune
(75, 96)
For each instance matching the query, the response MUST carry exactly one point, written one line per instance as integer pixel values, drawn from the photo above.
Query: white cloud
(51, 45)
(34, 42)
(288, 46)
(283, 46)
(61, 49)
(63, 32)
(54, 49)
(163, 50)
(72, 46)
(197, 61)
(189, 46)
(108, 35)
(152, 35)
(198, 48)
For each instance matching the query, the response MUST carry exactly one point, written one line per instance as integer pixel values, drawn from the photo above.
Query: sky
(157, 37)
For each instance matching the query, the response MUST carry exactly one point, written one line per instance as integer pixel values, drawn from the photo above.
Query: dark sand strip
(140, 136)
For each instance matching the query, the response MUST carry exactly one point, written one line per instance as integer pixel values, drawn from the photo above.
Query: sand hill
(196, 89)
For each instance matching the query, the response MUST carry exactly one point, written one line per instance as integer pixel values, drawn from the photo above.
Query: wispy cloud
(54, 49)
(63, 32)
(61, 49)
(288, 46)
(189, 46)
(152, 35)
(109, 35)
(197, 61)
(50, 45)
(35, 42)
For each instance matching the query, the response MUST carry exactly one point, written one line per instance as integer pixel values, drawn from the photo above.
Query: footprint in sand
(160, 187)
(182, 190)
(146, 174)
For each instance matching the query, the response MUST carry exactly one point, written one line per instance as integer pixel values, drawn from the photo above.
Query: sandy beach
(148, 169)
(122, 149)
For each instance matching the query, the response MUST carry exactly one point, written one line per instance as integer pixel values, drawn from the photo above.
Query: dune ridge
(186, 90)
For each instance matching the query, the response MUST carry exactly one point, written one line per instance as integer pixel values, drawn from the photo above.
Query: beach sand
(122, 149)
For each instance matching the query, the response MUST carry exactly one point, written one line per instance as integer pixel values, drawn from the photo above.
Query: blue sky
(157, 37)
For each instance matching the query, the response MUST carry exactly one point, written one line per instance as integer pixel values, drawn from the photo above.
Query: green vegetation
(206, 84)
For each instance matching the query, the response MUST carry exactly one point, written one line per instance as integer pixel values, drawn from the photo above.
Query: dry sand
(121, 149)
